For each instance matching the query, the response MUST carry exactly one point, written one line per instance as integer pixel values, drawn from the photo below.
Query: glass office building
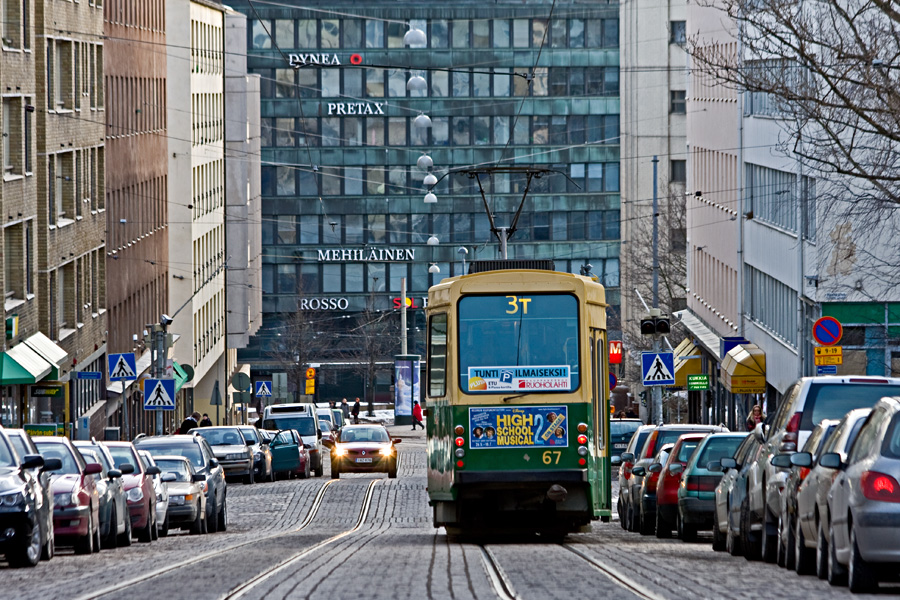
(344, 217)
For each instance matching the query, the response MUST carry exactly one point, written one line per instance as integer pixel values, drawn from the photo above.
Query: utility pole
(655, 312)
(158, 350)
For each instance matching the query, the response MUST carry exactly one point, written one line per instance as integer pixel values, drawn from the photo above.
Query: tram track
(165, 570)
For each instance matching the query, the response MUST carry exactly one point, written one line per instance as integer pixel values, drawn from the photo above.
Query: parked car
(620, 433)
(115, 521)
(187, 502)
(661, 435)
(338, 417)
(26, 518)
(139, 491)
(161, 489)
(328, 433)
(364, 449)
(231, 450)
(625, 462)
(805, 404)
(262, 457)
(325, 414)
(648, 478)
(196, 449)
(24, 447)
(797, 476)
(863, 543)
(289, 456)
(731, 493)
(669, 482)
(76, 503)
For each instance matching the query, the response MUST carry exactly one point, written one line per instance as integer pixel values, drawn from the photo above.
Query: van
(302, 418)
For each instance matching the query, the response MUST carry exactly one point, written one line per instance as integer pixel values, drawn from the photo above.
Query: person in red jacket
(417, 415)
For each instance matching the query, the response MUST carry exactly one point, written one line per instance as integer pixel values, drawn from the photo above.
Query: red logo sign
(355, 59)
(615, 352)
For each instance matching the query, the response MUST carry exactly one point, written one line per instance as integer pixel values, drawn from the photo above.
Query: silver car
(161, 488)
(231, 449)
(864, 502)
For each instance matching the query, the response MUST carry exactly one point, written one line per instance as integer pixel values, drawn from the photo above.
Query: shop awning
(21, 364)
(744, 370)
(49, 351)
(685, 366)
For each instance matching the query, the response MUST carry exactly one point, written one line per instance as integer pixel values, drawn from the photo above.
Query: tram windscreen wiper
(508, 398)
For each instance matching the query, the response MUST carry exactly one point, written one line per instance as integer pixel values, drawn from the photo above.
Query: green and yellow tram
(517, 388)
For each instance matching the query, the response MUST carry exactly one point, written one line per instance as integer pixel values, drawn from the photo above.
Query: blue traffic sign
(658, 368)
(122, 367)
(159, 394)
(613, 381)
(826, 369)
(827, 331)
(263, 389)
(96, 375)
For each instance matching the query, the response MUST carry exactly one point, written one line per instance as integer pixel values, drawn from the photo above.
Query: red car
(76, 502)
(670, 479)
(139, 492)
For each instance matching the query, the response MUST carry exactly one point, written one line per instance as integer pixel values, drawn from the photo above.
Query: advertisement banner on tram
(532, 379)
(518, 426)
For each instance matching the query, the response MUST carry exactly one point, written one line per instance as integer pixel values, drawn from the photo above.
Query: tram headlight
(582, 439)
(582, 428)
(460, 442)
(459, 430)
(459, 453)
(582, 451)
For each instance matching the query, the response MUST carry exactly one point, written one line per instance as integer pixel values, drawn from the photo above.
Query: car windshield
(833, 401)
(623, 427)
(229, 436)
(325, 426)
(124, 454)
(7, 459)
(178, 467)
(365, 434)
(189, 450)
(718, 448)
(91, 458)
(60, 451)
(20, 446)
(687, 448)
(250, 434)
(522, 343)
(303, 425)
(668, 436)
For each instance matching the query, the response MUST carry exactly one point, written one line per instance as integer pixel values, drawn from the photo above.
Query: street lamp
(433, 241)
(434, 269)
(422, 120)
(430, 198)
(415, 37)
(430, 180)
(424, 162)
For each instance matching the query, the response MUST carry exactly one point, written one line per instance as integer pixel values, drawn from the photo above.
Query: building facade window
(770, 196)
(772, 304)
(677, 102)
(678, 32)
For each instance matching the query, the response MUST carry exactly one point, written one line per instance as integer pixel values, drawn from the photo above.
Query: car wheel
(125, 538)
(154, 531)
(647, 526)
(271, 477)
(212, 519)
(768, 540)
(320, 470)
(804, 558)
(718, 543)
(749, 539)
(111, 539)
(687, 531)
(837, 573)
(632, 518)
(392, 471)
(26, 553)
(205, 528)
(249, 479)
(145, 535)
(197, 524)
(663, 527)
(786, 541)
(335, 471)
(861, 578)
(222, 517)
(733, 544)
(85, 544)
(49, 549)
(821, 553)
(164, 528)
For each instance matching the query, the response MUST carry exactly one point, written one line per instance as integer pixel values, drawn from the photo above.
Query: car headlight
(340, 451)
(387, 451)
(16, 498)
(64, 500)
(176, 500)
(135, 494)
(257, 456)
(159, 497)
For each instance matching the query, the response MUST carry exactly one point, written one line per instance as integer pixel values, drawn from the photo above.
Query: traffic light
(655, 325)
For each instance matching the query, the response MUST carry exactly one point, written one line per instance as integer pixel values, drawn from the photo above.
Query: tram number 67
(549, 455)
(515, 302)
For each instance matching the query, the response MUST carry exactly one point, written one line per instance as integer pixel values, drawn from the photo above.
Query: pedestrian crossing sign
(658, 368)
(122, 367)
(159, 394)
(263, 389)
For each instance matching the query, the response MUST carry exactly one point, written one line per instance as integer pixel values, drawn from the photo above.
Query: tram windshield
(519, 344)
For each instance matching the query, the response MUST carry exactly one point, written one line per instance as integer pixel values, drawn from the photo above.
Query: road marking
(617, 577)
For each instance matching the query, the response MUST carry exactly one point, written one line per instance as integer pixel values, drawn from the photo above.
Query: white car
(161, 487)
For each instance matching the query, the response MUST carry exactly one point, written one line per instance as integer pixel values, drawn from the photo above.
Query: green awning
(21, 364)
(49, 351)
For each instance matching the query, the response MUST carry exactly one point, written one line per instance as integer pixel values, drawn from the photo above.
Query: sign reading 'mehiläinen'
(372, 255)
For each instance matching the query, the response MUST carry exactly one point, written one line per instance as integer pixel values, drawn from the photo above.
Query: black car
(197, 450)
(26, 518)
(620, 432)
(24, 445)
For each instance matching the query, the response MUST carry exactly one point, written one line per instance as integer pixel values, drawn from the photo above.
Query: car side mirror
(328, 443)
(213, 463)
(615, 461)
(126, 468)
(198, 477)
(639, 471)
(52, 464)
(396, 440)
(250, 442)
(654, 468)
(92, 469)
(34, 461)
(831, 460)
(169, 477)
(627, 457)
(153, 470)
(801, 459)
(714, 466)
(319, 433)
(782, 461)
(728, 463)
(114, 473)
(676, 468)
(266, 442)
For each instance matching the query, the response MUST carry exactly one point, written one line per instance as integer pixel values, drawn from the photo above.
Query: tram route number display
(518, 427)
(533, 379)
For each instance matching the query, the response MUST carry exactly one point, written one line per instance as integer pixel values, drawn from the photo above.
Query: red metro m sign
(615, 352)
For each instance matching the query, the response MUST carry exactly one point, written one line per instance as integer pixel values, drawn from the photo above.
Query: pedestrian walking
(417, 415)
(205, 421)
(355, 412)
(755, 417)
(345, 408)
(190, 422)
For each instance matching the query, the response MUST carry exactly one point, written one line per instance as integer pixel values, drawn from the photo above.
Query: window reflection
(331, 33)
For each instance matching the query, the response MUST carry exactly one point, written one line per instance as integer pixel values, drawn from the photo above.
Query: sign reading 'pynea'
(373, 255)
(302, 60)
